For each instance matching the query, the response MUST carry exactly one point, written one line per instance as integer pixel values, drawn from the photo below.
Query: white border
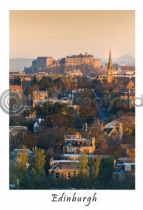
(41, 199)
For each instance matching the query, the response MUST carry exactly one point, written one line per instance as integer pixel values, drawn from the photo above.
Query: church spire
(110, 59)
(109, 69)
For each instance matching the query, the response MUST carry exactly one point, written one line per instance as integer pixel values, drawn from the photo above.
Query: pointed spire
(110, 60)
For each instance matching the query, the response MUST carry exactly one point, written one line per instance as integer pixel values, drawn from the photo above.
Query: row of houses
(67, 166)
(74, 147)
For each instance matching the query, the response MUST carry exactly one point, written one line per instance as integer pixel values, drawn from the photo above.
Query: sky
(59, 33)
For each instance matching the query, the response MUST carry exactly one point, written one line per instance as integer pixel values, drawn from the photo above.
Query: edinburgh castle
(49, 63)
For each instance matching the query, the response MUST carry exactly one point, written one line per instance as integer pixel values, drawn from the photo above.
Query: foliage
(95, 166)
(83, 166)
(55, 76)
(105, 173)
(18, 171)
(34, 80)
(38, 170)
(131, 154)
(17, 80)
(86, 113)
(67, 83)
(45, 83)
(53, 137)
(26, 138)
(87, 93)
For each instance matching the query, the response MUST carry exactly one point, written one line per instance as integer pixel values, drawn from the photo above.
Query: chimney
(93, 141)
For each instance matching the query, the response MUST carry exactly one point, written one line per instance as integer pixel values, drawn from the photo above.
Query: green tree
(105, 173)
(19, 169)
(95, 166)
(38, 170)
(67, 83)
(17, 81)
(87, 113)
(116, 106)
(83, 166)
(45, 83)
(34, 80)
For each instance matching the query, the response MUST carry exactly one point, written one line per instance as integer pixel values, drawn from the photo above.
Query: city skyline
(60, 33)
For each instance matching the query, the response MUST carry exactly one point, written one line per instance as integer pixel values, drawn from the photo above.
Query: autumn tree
(87, 93)
(26, 138)
(131, 154)
(87, 113)
(55, 76)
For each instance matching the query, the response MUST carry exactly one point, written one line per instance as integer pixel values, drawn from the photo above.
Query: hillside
(125, 60)
(18, 64)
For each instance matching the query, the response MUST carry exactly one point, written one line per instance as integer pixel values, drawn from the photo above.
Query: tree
(86, 113)
(131, 154)
(83, 166)
(116, 106)
(45, 83)
(38, 170)
(87, 93)
(105, 173)
(18, 171)
(55, 76)
(17, 81)
(103, 146)
(51, 138)
(26, 138)
(95, 166)
(67, 82)
(34, 80)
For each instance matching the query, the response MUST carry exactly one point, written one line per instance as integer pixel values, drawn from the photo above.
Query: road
(103, 113)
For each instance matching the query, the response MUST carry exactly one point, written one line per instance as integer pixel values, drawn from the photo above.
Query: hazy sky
(59, 33)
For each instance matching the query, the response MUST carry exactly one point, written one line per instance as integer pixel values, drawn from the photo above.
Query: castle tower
(109, 69)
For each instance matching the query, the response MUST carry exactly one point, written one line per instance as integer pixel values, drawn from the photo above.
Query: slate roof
(66, 165)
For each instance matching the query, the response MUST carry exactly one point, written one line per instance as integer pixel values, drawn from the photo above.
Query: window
(68, 175)
(57, 175)
(86, 151)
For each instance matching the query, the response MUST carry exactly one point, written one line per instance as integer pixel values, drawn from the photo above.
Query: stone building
(43, 61)
(82, 59)
(63, 169)
(78, 145)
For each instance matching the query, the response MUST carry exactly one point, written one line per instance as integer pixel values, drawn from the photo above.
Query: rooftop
(125, 120)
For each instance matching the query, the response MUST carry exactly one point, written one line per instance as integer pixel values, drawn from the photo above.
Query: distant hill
(18, 64)
(125, 60)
